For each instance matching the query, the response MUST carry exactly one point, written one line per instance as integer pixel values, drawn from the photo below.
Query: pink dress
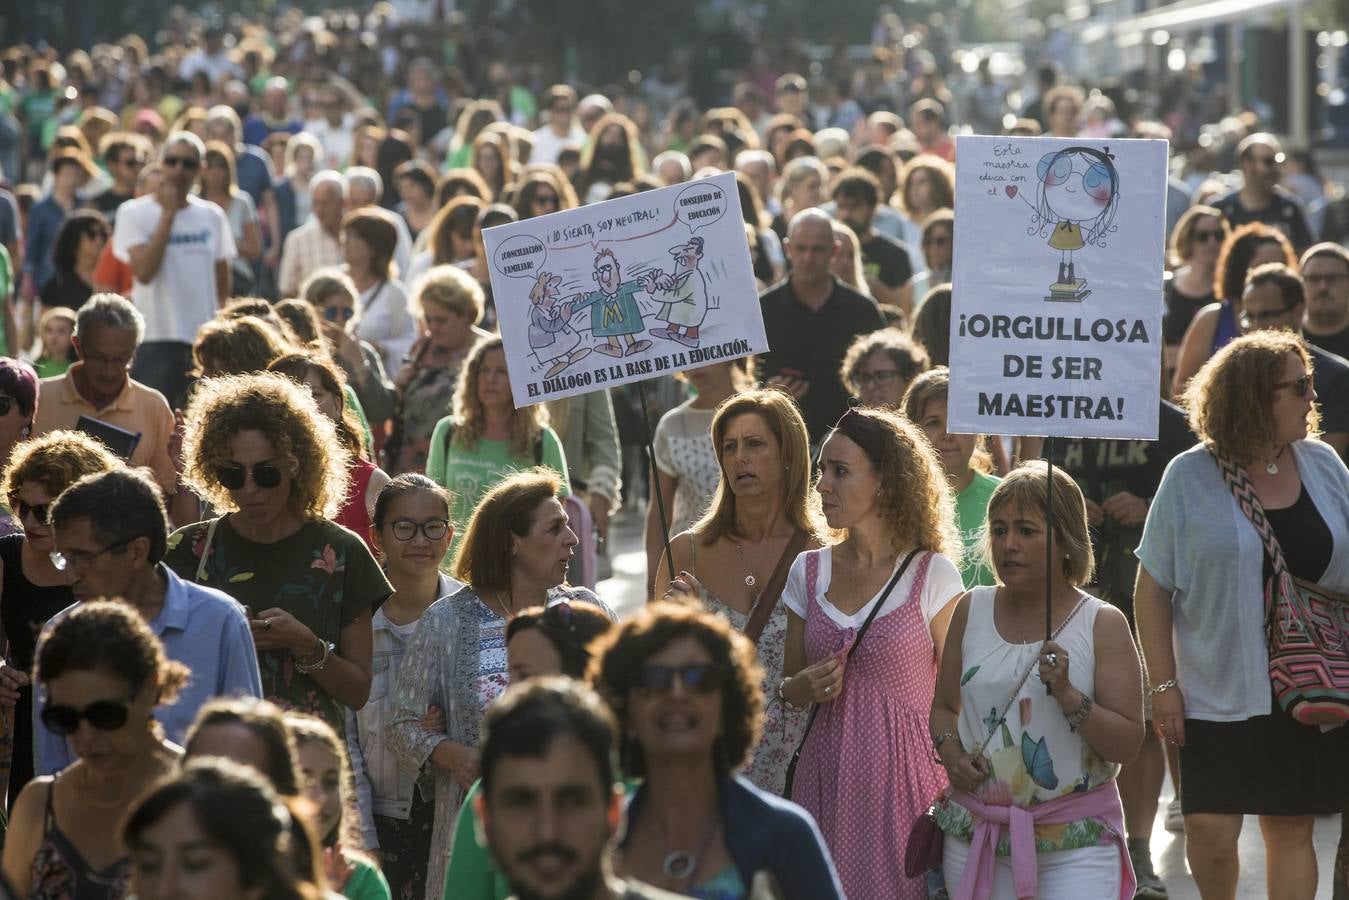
(867, 769)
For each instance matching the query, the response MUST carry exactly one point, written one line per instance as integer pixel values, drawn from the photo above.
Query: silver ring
(1051, 659)
(829, 690)
(266, 624)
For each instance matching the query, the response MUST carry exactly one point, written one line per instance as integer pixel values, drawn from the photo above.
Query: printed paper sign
(625, 290)
(1056, 306)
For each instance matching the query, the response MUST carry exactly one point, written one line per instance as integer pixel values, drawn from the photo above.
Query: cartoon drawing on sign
(614, 312)
(682, 294)
(551, 336)
(1075, 207)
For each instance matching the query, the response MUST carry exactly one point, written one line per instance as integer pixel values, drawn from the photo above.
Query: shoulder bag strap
(768, 600)
(1243, 491)
(206, 550)
(880, 601)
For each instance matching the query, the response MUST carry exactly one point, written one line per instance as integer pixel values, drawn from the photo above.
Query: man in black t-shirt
(1325, 273)
(885, 261)
(810, 320)
(1260, 198)
(124, 154)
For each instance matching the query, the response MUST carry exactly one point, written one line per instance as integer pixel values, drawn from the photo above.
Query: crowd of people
(296, 602)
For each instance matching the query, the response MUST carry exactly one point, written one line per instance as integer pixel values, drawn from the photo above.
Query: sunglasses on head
(698, 678)
(38, 512)
(232, 478)
(105, 715)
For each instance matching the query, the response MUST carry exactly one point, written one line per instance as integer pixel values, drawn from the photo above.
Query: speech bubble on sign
(520, 256)
(700, 204)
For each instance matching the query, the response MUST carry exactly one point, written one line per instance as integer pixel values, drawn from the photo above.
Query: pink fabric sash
(1102, 803)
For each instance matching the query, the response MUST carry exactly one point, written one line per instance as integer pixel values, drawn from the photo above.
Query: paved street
(624, 593)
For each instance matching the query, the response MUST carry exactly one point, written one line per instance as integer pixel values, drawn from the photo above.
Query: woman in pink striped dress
(866, 770)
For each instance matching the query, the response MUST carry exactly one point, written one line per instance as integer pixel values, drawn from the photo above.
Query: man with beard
(549, 807)
(1260, 198)
(1325, 272)
(885, 260)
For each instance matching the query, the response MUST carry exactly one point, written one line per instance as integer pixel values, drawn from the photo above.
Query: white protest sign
(624, 290)
(1056, 304)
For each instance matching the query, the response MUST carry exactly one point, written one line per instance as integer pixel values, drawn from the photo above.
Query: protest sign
(1056, 305)
(624, 290)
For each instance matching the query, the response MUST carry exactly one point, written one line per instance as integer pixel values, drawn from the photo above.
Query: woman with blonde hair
(866, 625)
(219, 185)
(514, 555)
(1036, 762)
(293, 205)
(476, 116)
(1205, 581)
(803, 186)
(486, 437)
(1196, 242)
(847, 262)
(763, 515)
(258, 448)
(926, 184)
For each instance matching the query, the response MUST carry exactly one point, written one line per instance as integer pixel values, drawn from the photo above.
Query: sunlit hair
(304, 440)
(457, 218)
(909, 358)
(801, 504)
(261, 309)
(1234, 260)
(311, 731)
(1231, 400)
(469, 418)
(484, 557)
(935, 384)
(915, 500)
(941, 178)
(303, 320)
(1023, 492)
(109, 636)
(570, 628)
(500, 143)
(618, 658)
(266, 722)
(451, 289)
(375, 227)
(326, 283)
(55, 461)
(236, 347)
(854, 275)
(1182, 236)
(630, 163)
(216, 151)
(537, 180)
(298, 366)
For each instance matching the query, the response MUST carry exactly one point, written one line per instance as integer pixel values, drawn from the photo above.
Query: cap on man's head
(791, 83)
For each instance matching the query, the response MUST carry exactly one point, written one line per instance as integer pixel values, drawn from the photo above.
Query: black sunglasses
(185, 162)
(333, 313)
(232, 478)
(1300, 386)
(1210, 235)
(698, 678)
(38, 512)
(105, 715)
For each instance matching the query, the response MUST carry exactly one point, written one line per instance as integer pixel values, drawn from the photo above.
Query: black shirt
(813, 344)
(1303, 536)
(108, 203)
(65, 289)
(1337, 343)
(886, 260)
(1180, 311)
(1330, 378)
(1282, 212)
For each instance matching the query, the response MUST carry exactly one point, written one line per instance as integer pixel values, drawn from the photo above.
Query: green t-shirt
(353, 403)
(971, 516)
(470, 473)
(366, 882)
(50, 368)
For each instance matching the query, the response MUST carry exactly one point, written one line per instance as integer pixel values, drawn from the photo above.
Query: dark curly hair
(619, 655)
(1234, 260)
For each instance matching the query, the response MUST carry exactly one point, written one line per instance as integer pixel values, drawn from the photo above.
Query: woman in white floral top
(514, 555)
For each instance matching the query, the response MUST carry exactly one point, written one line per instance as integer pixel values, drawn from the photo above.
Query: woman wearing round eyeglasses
(684, 686)
(1200, 608)
(879, 367)
(32, 588)
(103, 672)
(258, 448)
(514, 555)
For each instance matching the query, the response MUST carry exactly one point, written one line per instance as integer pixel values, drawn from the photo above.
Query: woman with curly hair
(32, 589)
(258, 448)
(514, 555)
(236, 347)
(735, 560)
(864, 638)
(684, 687)
(1214, 326)
(486, 437)
(926, 184)
(879, 367)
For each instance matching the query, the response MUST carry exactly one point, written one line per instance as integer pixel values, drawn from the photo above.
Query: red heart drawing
(1010, 190)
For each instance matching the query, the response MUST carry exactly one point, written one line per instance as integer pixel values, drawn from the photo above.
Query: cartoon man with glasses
(1077, 197)
(614, 312)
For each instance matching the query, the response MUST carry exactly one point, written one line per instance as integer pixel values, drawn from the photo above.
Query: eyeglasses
(80, 559)
(232, 478)
(1330, 279)
(431, 529)
(1300, 386)
(880, 379)
(698, 678)
(38, 512)
(1209, 235)
(334, 313)
(105, 715)
(133, 162)
(183, 162)
(1251, 319)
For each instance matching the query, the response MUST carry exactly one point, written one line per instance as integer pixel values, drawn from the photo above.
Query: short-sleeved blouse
(683, 446)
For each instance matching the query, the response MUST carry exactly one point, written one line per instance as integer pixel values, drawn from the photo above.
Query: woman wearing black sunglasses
(103, 672)
(1205, 578)
(32, 589)
(258, 448)
(684, 686)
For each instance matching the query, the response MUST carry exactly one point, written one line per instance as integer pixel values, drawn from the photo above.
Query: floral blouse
(322, 574)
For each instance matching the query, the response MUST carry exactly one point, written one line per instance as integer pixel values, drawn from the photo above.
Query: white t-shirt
(547, 144)
(386, 321)
(943, 583)
(182, 296)
(338, 141)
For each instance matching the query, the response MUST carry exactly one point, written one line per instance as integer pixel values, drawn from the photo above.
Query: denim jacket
(383, 787)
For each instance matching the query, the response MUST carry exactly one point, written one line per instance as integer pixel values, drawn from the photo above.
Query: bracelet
(1078, 716)
(782, 695)
(938, 741)
(327, 649)
(1163, 687)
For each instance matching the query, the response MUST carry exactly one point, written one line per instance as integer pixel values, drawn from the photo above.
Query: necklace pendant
(750, 581)
(678, 865)
(1272, 468)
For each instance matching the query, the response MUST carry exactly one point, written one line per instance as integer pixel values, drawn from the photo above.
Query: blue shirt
(253, 172)
(44, 222)
(201, 628)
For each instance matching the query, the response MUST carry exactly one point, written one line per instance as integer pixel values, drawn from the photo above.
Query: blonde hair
(55, 461)
(283, 412)
(1024, 488)
(1182, 236)
(527, 424)
(450, 288)
(1230, 400)
(783, 417)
